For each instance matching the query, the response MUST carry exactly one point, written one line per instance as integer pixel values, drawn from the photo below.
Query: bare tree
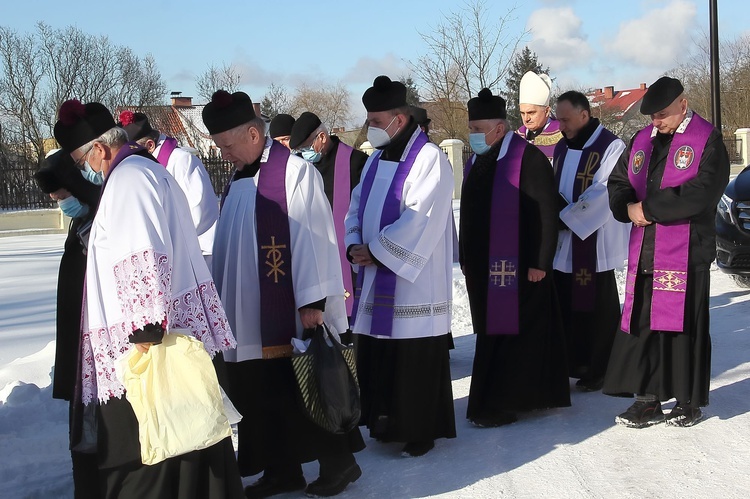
(329, 102)
(20, 89)
(468, 51)
(276, 101)
(227, 77)
(734, 59)
(40, 70)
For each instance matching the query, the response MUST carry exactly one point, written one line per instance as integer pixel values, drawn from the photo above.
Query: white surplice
(591, 212)
(191, 175)
(316, 268)
(418, 247)
(144, 266)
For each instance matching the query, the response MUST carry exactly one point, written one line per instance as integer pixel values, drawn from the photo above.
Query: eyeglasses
(79, 164)
(311, 147)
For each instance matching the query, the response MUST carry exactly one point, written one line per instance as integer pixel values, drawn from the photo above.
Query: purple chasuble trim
(165, 152)
(671, 240)
(278, 318)
(341, 197)
(385, 278)
(502, 285)
(545, 141)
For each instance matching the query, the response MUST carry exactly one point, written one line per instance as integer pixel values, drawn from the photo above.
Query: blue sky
(288, 42)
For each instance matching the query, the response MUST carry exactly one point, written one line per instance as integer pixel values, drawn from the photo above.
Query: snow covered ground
(575, 452)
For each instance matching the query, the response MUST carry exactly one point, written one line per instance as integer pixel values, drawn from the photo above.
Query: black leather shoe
(271, 486)
(590, 385)
(417, 449)
(500, 418)
(331, 486)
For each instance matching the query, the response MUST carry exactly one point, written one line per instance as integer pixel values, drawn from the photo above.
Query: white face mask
(378, 137)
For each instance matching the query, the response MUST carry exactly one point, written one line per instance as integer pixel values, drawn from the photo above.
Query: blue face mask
(478, 143)
(96, 178)
(310, 155)
(72, 207)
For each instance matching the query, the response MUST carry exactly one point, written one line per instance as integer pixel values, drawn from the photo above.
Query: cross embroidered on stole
(273, 259)
(587, 175)
(502, 270)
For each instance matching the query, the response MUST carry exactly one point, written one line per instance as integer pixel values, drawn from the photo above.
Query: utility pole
(714, 55)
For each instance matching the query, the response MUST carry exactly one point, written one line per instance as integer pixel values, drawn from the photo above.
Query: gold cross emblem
(502, 270)
(583, 277)
(586, 176)
(273, 259)
(670, 281)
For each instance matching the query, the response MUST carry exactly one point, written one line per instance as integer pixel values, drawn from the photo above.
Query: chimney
(178, 101)
(643, 86)
(609, 93)
(256, 108)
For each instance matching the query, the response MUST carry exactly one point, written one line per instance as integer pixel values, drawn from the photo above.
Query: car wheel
(742, 281)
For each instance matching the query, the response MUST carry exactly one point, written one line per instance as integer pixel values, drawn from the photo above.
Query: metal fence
(734, 149)
(466, 154)
(18, 189)
(219, 170)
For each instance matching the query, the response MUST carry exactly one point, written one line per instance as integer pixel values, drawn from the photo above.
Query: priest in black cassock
(667, 184)
(340, 165)
(280, 128)
(64, 182)
(508, 234)
(277, 268)
(591, 243)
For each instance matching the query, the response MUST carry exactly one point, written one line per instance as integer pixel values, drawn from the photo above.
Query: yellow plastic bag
(176, 398)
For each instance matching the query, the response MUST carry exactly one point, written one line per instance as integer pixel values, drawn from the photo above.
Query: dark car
(733, 229)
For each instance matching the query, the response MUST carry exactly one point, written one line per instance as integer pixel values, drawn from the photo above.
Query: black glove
(151, 333)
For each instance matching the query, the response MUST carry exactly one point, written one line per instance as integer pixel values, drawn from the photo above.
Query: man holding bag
(145, 275)
(277, 268)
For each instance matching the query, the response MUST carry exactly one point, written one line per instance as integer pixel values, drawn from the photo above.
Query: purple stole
(341, 197)
(584, 251)
(671, 240)
(385, 278)
(165, 152)
(502, 286)
(547, 140)
(128, 149)
(278, 320)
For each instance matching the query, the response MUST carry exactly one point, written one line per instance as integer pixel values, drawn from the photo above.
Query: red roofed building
(619, 110)
(183, 121)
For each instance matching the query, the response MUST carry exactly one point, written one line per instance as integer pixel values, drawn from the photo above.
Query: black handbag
(326, 376)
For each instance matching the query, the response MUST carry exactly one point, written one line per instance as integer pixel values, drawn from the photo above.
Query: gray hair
(114, 137)
(497, 121)
(321, 128)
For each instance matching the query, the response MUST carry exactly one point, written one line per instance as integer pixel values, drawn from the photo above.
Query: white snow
(575, 452)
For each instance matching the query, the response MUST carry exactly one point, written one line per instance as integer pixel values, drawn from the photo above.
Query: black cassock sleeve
(621, 193)
(539, 210)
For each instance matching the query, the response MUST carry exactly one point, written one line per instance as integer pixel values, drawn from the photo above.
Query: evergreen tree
(524, 61)
(412, 92)
(267, 107)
